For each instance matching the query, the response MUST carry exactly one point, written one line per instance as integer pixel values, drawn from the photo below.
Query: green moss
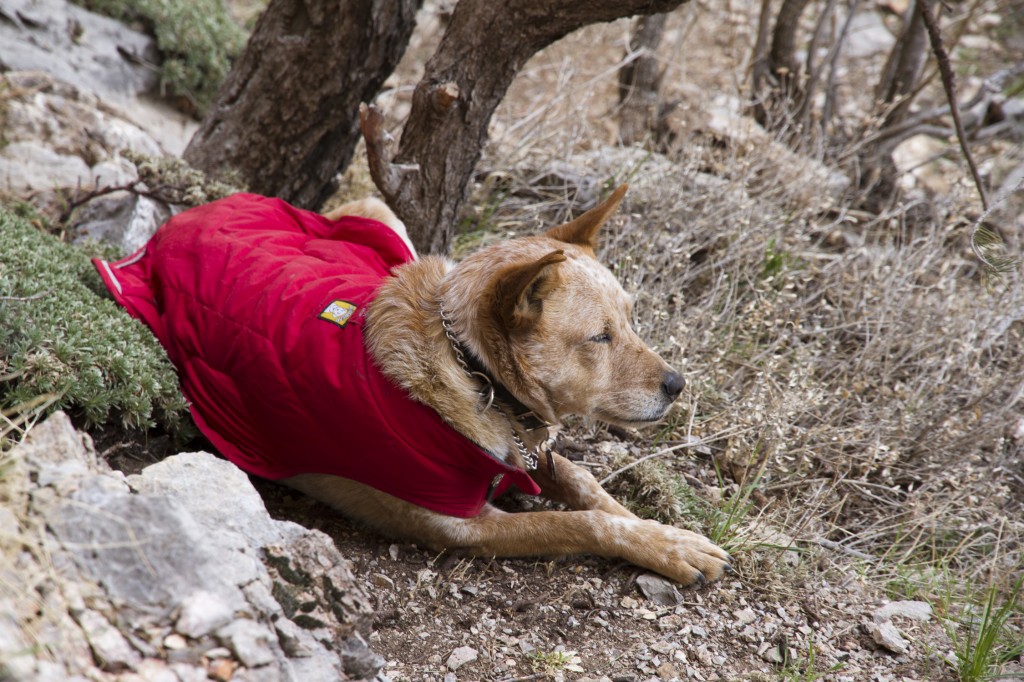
(197, 38)
(58, 338)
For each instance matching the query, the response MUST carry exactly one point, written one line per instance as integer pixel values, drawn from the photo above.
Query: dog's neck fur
(406, 339)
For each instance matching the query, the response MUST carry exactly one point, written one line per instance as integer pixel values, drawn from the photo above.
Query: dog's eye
(603, 337)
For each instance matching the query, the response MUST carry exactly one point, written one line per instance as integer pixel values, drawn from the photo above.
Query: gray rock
(55, 443)
(315, 669)
(128, 562)
(745, 616)
(310, 572)
(358, 660)
(296, 642)
(146, 551)
(886, 635)
(658, 589)
(201, 482)
(76, 46)
(58, 135)
(29, 165)
(201, 613)
(112, 650)
(460, 657)
(123, 219)
(914, 610)
(251, 642)
(189, 673)
(259, 595)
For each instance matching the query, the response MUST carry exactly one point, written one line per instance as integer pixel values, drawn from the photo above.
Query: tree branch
(949, 85)
(389, 177)
(640, 81)
(483, 47)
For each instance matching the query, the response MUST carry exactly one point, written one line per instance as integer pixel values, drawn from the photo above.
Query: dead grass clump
(873, 356)
(652, 490)
(856, 375)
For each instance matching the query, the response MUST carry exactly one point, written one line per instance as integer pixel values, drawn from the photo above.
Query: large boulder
(177, 572)
(98, 54)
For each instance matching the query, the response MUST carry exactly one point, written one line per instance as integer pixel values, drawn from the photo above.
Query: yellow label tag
(338, 312)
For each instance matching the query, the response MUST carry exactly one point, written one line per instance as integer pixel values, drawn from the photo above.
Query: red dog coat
(261, 306)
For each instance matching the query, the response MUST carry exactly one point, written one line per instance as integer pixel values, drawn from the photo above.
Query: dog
(408, 397)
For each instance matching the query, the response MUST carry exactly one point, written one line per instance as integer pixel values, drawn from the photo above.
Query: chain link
(530, 457)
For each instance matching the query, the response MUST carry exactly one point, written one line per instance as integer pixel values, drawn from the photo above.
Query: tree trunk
(286, 117)
(777, 75)
(894, 93)
(484, 46)
(640, 81)
(903, 68)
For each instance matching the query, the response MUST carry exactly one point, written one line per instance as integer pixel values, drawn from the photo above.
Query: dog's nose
(672, 384)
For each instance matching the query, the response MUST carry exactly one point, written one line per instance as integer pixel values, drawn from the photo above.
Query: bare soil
(796, 611)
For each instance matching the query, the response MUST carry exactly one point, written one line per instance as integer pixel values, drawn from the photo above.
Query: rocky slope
(176, 573)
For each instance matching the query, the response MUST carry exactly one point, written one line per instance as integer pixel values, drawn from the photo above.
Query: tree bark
(903, 68)
(777, 74)
(894, 93)
(285, 119)
(640, 81)
(484, 46)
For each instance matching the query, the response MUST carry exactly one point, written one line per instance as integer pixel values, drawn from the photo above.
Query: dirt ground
(796, 612)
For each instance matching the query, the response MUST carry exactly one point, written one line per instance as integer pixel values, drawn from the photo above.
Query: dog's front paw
(686, 557)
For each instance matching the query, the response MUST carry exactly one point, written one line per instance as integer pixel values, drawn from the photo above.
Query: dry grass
(868, 368)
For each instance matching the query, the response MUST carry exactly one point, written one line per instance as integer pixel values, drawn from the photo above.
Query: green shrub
(197, 38)
(64, 346)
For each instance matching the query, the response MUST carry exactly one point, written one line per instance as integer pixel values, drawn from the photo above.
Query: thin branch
(690, 444)
(813, 69)
(949, 85)
(30, 297)
(380, 149)
(833, 64)
(910, 126)
(695, 442)
(836, 547)
(81, 199)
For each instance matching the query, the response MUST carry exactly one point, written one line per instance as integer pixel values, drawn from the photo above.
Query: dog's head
(553, 324)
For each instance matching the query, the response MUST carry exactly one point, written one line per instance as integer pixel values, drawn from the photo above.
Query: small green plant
(776, 261)
(552, 662)
(724, 521)
(198, 40)
(984, 639)
(651, 491)
(62, 345)
(805, 670)
(933, 582)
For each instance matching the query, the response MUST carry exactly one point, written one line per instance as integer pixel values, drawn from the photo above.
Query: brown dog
(540, 320)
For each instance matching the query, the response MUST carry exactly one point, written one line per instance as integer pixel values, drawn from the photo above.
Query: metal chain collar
(530, 457)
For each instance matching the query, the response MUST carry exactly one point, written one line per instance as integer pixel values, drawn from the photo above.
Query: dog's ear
(583, 230)
(520, 290)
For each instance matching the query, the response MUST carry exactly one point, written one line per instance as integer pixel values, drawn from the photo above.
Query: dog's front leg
(675, 553)
(575, 487)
